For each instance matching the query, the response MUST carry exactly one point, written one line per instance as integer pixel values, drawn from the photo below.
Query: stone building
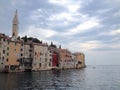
(41, 57)
(3, 41)
(66, 60)
(26, 56)
(80, 58)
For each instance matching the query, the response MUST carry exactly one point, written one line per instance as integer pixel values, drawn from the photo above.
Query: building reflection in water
(44, 80)
(8, 81)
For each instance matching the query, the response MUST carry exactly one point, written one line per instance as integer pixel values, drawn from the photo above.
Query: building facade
(41, 58)
(54, 56)
(26, 56)
(80, 58)
(30, 54)
(3, 40)
(66, 60)
(12, 55)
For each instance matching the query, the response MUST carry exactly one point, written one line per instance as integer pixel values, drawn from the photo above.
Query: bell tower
(15, 27)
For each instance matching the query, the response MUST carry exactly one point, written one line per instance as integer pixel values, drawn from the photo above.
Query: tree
(25, 38)
(53, 45)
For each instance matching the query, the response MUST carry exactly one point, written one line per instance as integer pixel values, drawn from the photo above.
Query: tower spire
(15, 19)
(15, 26)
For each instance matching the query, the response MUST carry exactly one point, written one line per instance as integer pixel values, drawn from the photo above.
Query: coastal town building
(12, 55)
(80, 58)
(66, 60)
(2, 51)
(41, 57)
(31, 54)
(55, 59)
(55, 55)
(26, 54)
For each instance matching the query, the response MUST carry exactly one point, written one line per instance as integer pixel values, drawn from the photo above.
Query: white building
(26, 56)
(41, 58)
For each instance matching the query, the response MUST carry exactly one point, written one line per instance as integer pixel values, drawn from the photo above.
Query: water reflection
(99, 78)
(44, 80)
(56, 73)
(8, 81)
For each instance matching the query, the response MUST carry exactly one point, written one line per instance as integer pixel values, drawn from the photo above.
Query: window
(30, 55)
(79, 62)
(21, 54)
(22, 44)
(30, 50)
(3, 58)
(30, 45)
(35, 53)
(4, 39)
(3, 51)
(7, 60)
(40, 65)
(7, 54)
(17, 60)
(7, 48)
(50, 60)
(21, 49)
(49, 64)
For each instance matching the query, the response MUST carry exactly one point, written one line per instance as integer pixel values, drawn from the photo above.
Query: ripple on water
(99, 78)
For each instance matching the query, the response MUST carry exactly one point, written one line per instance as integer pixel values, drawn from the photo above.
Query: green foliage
(35, 40)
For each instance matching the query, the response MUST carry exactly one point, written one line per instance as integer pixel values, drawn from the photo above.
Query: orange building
(66, 60)
(12, 55)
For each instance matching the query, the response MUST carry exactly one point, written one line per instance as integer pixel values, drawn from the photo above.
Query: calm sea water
(89, 78)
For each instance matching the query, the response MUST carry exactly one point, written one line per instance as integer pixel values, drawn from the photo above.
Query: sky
(88, 26)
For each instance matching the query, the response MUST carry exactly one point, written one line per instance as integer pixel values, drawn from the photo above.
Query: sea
(99, 77)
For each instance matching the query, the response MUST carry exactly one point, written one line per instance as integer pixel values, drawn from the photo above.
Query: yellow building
(80, 57)
(12, 55)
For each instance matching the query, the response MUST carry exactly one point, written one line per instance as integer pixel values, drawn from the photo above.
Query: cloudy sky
(89, 26)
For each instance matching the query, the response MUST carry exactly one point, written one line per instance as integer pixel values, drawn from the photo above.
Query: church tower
(15, 27)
